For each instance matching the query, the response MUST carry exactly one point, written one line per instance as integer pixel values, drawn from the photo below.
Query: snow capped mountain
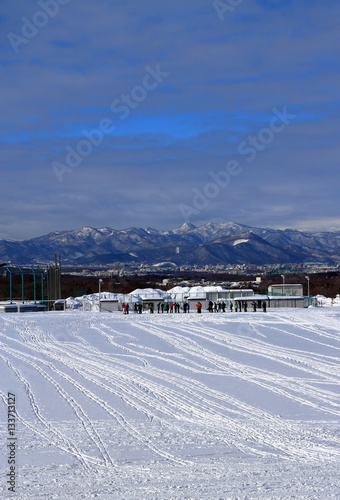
(211, 243)
(184, 228)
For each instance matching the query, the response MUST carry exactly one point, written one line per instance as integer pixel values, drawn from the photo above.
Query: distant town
(120, 269)
(58, 281)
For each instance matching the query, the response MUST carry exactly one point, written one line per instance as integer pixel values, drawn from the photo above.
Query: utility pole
(283, 286)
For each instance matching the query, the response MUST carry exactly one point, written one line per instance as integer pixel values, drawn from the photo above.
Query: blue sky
(147, 113)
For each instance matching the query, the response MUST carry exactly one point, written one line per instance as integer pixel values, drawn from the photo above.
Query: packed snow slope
(173, 406)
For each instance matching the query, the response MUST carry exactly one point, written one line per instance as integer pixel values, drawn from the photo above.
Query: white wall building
(286, 289)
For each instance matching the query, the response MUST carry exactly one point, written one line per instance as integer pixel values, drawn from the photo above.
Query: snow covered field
(185, 406)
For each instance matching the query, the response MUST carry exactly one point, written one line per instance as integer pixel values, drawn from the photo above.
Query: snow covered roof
(179, 289)
(147, 291)
(197, 289)
(150, 293)
(251, 297)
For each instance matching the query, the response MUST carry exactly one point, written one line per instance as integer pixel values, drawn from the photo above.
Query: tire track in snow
(100, 402)
(212, 359)
(251, 407)
(60, 441)
(189, 399)
(191, 410)
(48, 352)
(283, 356)
(78, 410)
(203, 416)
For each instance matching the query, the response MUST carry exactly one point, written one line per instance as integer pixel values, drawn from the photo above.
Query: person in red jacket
(199, 307)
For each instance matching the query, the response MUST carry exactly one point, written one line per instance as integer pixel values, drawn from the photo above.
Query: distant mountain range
(227, 243)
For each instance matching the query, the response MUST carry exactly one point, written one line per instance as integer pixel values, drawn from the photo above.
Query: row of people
(161, 307)
(239, 305)
(175, 307)
(216, 306)
(242, 305)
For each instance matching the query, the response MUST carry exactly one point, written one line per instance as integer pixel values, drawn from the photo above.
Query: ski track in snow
(184, 392)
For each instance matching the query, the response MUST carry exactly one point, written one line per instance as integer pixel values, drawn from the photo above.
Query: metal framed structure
(22, 271)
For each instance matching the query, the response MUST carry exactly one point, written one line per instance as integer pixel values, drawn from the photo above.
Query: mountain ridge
(211, 243)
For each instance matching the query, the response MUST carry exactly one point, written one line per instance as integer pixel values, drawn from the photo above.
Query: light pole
(10, 285)
(34, 285)
(99, 286)
(22, 284)
(283, 286)
(308, 279)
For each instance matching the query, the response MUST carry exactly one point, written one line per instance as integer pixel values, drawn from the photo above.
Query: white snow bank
(325, 301)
